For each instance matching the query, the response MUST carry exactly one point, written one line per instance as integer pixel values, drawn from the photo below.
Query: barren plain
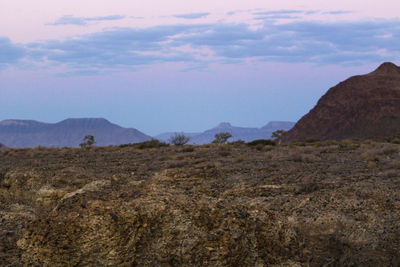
(311, 204)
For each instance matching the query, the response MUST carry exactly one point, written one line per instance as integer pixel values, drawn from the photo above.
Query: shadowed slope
(361, 107)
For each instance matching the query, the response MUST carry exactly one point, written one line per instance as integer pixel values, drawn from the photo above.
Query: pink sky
(25, 20)
(185, 65)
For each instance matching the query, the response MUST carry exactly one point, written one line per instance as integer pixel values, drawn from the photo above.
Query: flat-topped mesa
(66, 133)
(387, 68)
(85, 122)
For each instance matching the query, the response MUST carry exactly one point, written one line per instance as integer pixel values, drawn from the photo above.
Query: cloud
(197, 45)
(9, 53)
(278, 12)
(338, 12)
(114, 49)
(192, 15)
(81, 21)
(281, 14)
(305, 41)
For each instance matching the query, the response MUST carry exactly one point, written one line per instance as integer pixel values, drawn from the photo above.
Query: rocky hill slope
(362, 107)
(67, 133)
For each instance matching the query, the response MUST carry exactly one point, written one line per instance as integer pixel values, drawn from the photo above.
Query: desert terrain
(303, 204)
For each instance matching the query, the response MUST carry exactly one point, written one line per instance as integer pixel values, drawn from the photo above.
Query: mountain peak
(85, 120)
(224, 125)
(387, 68)
(284, 125)
(361, 107)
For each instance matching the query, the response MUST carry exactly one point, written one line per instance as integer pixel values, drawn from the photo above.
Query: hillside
(362, 107)
(67, 133)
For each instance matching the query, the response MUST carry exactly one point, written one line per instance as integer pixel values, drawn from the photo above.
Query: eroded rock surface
(335, 203)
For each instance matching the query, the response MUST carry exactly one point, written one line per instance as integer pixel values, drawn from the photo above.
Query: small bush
(263, 142)
(88, 141)
(394, 139)
(371, 165)
(237, 143)
(380, 152)
(150, 144)
(221, 138)
(179, 139)
(239, 159)
(188, 149)
(310, 141)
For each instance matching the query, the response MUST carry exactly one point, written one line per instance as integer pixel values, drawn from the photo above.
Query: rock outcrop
(362, 107)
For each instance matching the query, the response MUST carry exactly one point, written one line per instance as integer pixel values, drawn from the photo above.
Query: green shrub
(221, 138)
(150, 144)
(263, 142)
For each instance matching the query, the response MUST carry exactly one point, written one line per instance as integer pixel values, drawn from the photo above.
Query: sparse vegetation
(277, 135)
(150, 144)
(221, 138)
(88, 141)
(394, 139)
(263, 142)
(308, 205)
(179, 139)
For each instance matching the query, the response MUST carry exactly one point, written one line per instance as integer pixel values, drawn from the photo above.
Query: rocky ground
(318, 204)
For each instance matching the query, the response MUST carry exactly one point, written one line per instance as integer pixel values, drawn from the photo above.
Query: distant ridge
(66, 133)
(238, 133)
(362, 107)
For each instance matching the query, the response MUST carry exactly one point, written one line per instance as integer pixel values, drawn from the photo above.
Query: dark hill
(362, 107)
(67, 133)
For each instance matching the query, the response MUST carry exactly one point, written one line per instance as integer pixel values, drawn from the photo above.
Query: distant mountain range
(238, 133)
(70, 133)
(67, 133)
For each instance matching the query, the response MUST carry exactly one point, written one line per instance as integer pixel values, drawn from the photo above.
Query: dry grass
(323, 203)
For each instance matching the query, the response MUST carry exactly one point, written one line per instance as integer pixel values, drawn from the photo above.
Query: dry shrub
(224, 153)
(188, 149)
(371, 165)
(379, 152)
(303, 155)
(177, 164)
(348, 144)
(391, 173)
(239, 159)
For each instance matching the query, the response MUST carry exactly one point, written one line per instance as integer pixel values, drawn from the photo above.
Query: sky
(179, 65)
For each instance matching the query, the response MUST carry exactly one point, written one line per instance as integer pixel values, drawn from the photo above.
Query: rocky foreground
(331, 203)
